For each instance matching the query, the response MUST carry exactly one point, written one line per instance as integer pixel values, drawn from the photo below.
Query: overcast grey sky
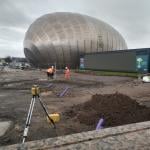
(130, 17)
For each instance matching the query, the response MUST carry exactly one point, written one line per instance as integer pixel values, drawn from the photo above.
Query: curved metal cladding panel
(62, 38)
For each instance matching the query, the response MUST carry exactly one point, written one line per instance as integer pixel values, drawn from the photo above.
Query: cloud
(11, 39)
(12, 15)
(129, 17)
(11, 33)
(11, 48)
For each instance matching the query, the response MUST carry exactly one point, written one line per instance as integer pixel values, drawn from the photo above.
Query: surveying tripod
(35, 94)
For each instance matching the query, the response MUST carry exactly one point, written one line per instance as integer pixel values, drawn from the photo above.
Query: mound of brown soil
(116, 109)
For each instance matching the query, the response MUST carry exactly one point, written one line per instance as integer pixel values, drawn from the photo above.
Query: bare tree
(8, 59)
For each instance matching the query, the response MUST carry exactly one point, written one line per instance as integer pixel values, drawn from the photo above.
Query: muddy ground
(116, 109)
(15, 99)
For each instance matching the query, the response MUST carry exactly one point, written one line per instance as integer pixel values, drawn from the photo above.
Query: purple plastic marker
(63, 92)
(100, 124)
(49, 85)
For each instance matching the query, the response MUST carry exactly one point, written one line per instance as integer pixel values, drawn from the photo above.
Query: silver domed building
(62, 38)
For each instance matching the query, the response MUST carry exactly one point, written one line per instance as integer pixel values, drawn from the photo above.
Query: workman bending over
(67, 73)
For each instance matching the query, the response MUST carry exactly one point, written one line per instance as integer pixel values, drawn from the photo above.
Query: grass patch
(108, 73)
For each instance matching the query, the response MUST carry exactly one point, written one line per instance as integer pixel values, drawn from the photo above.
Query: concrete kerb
(87, 137)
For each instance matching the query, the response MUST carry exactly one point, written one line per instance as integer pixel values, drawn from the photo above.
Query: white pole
(55, 71)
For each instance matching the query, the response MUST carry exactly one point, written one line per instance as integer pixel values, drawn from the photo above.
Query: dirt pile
(116, 109)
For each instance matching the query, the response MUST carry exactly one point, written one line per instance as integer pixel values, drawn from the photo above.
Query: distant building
(19, 59)
(19, 63)
(131, 60)
(2, 61)
(63, 37)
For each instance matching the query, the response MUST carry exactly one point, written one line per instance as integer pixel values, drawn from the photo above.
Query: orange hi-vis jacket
(50, 70)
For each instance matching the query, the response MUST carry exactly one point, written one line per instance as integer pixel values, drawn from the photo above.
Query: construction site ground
(15, 97)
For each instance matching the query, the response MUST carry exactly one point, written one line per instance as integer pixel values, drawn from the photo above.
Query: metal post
(84, 47)
(55, 71)
(91, 46)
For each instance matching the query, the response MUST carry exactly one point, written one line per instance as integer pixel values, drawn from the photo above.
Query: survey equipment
(35, 91)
